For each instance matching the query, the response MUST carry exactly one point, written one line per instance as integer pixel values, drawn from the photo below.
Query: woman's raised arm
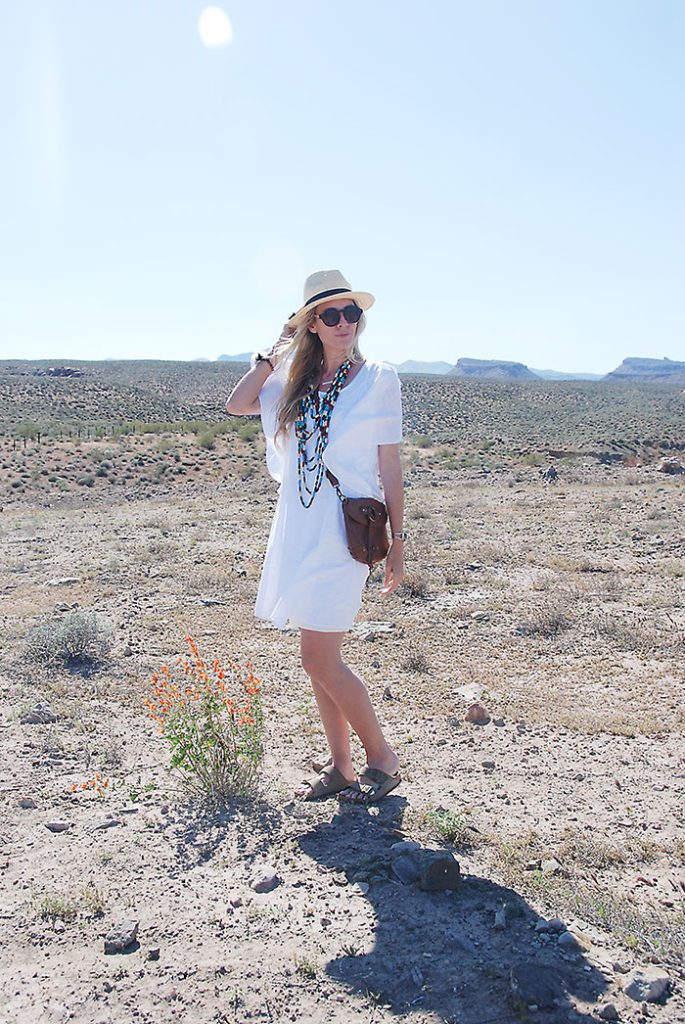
(244, 399)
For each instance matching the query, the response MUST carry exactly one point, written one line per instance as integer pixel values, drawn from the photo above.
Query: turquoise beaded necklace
(310, 467)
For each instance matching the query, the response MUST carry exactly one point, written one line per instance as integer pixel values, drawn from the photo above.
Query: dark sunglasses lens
(331, 317)
(352, 314)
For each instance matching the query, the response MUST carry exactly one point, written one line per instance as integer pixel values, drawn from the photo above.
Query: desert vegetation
(134, 519)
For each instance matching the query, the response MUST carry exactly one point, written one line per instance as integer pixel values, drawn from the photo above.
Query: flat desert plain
(131, 505)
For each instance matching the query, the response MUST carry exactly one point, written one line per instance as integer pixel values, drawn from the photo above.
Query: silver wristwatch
(400, 535)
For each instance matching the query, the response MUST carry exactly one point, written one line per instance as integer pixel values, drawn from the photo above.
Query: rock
(499, 722)
(121, 936)
(500, 919)
(417, 977)
(480, 616)
(470, 691)
(404, 846)
(27, 803)
(488, 765)
(58, 925)
(105, 823)
(153, 953)
(406, 869)
(477, 715)
(58, 826)
(264, 879)
(63, 581)
(646, 984)
(609, 1012)
(535, 985)
(551, 866)
(555, 924)
(439, 871)
(40, 715)
(532, 865)
(568, 942)
(671, 465)
(387, 694)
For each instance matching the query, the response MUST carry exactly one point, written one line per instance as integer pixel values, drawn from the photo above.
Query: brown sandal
(329, 782)
(372, 786)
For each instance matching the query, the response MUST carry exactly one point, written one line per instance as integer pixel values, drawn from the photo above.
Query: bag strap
(334, 482)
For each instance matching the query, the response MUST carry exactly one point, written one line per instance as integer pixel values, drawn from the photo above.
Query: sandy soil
(558, 607)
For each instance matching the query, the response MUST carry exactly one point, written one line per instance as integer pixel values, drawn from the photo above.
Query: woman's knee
(319, 660)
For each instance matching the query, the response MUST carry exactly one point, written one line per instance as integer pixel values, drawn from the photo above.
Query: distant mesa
(491, 369)
(416, 366)
(659, 371)
(243, 357)
(564, 375)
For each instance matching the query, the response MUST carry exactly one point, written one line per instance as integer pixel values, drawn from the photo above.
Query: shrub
(206, 440)
(87, 480)
(212, 719)
(75, 638)
(415, 584)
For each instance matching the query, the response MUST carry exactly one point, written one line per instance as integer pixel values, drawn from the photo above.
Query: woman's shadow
(442, 951)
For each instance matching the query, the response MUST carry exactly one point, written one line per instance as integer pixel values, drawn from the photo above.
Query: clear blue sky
(506, 177)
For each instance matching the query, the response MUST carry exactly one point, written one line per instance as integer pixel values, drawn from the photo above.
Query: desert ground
(554, 604)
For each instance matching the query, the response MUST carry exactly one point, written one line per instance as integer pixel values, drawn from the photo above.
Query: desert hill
(417, 366)
(491, 369)
(242, 357)
(667, 371)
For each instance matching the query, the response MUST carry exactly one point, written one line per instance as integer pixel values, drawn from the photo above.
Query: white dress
(309, 578)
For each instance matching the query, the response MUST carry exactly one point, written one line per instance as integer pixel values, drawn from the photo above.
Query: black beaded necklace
(311, 468)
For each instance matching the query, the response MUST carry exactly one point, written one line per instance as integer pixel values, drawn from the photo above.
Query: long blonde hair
(305, 368)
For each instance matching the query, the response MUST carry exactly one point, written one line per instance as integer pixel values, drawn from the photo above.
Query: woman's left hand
(394, 569)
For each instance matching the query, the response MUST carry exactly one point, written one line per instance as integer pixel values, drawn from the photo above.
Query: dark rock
(477, 715)
(406, 869)
(439, 871)
(58, 826)
(609, 1012)
(535, 985)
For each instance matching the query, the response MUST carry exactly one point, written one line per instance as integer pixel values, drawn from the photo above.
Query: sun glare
(214, 27)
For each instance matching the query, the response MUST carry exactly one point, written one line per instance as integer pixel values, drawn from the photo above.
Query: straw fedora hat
(328, 284)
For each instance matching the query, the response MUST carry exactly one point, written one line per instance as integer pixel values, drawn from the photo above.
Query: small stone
(568, 942)
(500, 919)
(477, 715)
(404, 846)
(59, 925)
(609, 1012)
(63, 581)
(387, 694)
(58, 826)
(27, 803)
(532, 865)
(264, 879)
(153, 953)
(555, 924)
(646, 984)
(551, 866)
(542, 925)
(406, 869)
(236, 902)
(480, 616)
(106, 823)
(488, 765)
(360, 888)
(535, 984)
(439, 871)
(121, 936)
(417, 977)
(41, 714)
(499, 722)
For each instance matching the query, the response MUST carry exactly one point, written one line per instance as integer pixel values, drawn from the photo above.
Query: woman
(323, 406)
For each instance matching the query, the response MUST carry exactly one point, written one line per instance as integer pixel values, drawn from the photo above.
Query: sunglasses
(331, 317)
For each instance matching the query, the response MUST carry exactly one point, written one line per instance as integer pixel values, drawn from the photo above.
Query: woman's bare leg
(342, 698)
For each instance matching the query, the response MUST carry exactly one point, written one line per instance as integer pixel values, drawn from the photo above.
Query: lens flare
(214, 27)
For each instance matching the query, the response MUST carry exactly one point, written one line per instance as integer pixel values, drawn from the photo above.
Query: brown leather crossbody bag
(366, 526)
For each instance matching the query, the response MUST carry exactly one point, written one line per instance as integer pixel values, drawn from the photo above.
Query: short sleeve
(269, 399)
(386, 425)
